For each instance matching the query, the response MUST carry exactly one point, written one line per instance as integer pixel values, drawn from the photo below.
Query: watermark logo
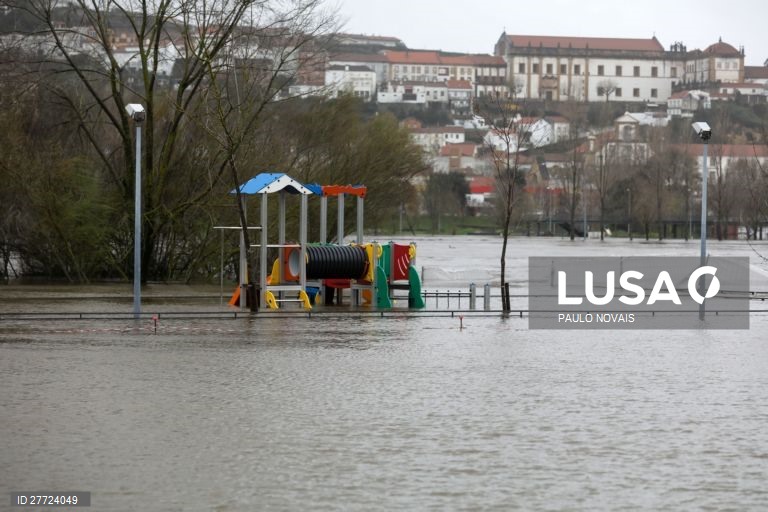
(639, 293)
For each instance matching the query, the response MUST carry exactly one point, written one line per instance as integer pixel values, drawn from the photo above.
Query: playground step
(284, 287)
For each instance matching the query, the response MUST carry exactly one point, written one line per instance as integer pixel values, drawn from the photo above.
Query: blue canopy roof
(268, 183)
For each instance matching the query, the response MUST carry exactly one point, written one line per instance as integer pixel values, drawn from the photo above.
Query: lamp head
(136, 111)
(703, 130)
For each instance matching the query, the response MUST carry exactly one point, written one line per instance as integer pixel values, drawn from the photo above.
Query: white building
(418, 92)
(685, 103)
(527, 131)
(375, 61)
(459, 96)
(431, 139)
(359, 81)
(720, 62)
(753, 92)
(583, 68)
(561, 128)
(626, 145)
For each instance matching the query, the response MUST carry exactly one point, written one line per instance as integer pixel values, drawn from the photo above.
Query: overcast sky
(474, 26)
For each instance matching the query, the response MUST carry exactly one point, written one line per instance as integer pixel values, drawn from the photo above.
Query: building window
(654, 71)
(618, 70)
(636, 92)
(521, 68)
(563, 69)
(535, 68)
(618, 92)
(600, 70)
(674, 72)
(654, 93)
(600, 91)
(577, 69)
(637, 70)
(549, 69)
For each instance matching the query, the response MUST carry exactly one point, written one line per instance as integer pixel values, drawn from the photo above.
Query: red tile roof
(755, 72)
(482, 185)
(679, 95)
(458, 84)
(595, 43)
(407, 57)
(722, 49)
(487, 60)
(458, 150)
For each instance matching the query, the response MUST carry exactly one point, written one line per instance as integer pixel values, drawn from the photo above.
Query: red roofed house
(481, 191)
(485, 73)
(463, 157)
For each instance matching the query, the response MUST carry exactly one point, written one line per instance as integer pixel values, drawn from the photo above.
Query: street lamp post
(629, 214)
(705, 133)
(584, 204)
(137, 113)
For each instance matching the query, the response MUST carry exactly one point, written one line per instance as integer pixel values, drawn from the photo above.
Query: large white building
(621, 69)
(586, 68)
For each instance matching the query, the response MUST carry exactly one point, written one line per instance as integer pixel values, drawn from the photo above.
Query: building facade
(359, 81)
(588, 68)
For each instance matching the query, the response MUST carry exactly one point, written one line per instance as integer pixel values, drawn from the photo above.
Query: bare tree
(606, 88)
(118, 52)
(505, 144)
(269, 50)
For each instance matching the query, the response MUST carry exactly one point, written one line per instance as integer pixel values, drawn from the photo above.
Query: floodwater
(397, 413)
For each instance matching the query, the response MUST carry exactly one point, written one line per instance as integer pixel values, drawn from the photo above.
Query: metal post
(629, 219)
(323, 219)
(584, 204)
(472, 296)
(263, 252)
(137, 229)
(303, 243)
(221, 271)
(280, 239)
(243, 260)
(340, 221)
(703, 261)
(360, 206)
(487, 297)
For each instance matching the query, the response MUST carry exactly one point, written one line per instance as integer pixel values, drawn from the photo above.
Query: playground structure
(304, 272)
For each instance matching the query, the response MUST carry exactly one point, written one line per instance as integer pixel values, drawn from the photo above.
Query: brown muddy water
(341, 412)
